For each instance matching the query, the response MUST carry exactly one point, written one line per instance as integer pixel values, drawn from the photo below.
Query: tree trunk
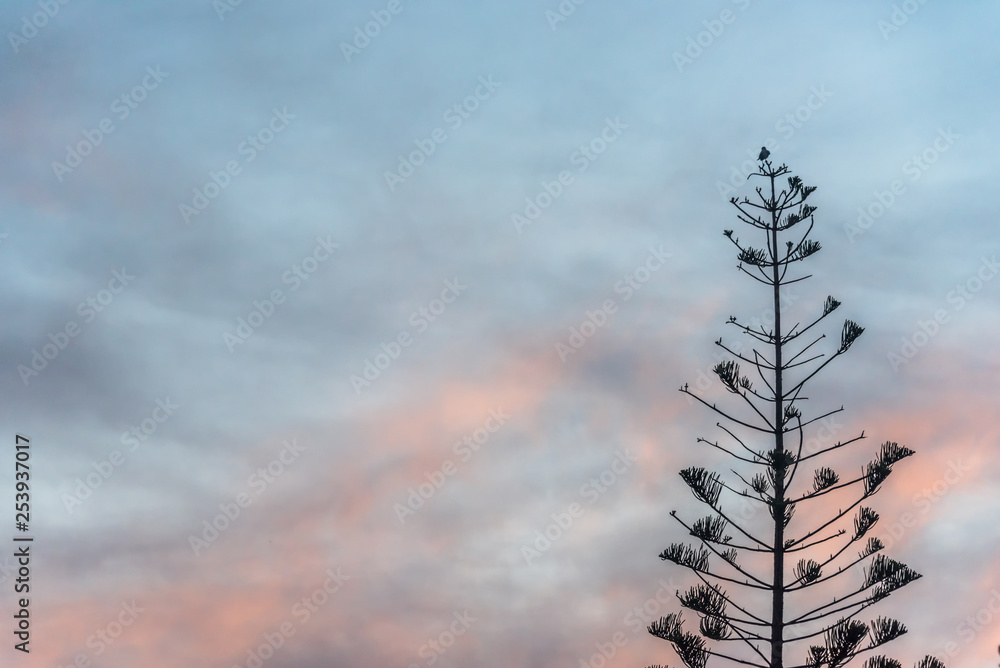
(777, 593)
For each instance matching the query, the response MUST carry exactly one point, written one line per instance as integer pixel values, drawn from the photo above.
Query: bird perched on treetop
(763, 153)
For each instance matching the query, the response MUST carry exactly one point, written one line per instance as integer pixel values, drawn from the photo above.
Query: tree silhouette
(771, 417)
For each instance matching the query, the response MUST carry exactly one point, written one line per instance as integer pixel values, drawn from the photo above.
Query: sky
(351, 334)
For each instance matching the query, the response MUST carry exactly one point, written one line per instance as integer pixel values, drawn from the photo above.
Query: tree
(772, 417)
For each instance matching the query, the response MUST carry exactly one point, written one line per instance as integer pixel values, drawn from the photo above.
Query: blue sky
(625, 124)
